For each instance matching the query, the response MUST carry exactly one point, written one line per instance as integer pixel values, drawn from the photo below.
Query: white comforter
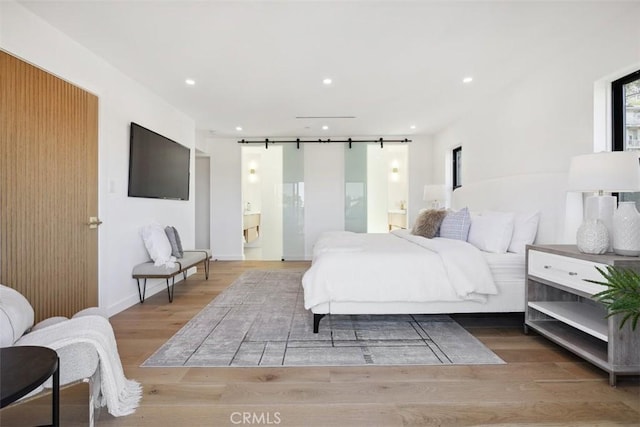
(394, 267)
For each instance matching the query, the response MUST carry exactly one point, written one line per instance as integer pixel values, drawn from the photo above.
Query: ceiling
(260, 65)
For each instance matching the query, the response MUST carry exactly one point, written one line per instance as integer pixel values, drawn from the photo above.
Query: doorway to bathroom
(376, 188)
(273, 202)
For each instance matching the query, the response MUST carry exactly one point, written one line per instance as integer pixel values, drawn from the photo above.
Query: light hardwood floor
(541, 384)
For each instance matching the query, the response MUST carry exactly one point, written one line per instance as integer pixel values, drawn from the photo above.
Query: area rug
(260, 320)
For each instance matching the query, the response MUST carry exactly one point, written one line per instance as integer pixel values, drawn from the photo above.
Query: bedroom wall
(539, 121)
(121, 100)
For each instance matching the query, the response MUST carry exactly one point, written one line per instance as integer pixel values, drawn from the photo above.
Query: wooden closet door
(48, 189)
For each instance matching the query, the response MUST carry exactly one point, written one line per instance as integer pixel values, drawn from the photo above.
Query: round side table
(23, 369)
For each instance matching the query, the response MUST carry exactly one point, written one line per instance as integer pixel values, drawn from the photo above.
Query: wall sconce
(394, 173)
(253, 176)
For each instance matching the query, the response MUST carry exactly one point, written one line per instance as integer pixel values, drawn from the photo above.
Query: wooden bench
(147, 270)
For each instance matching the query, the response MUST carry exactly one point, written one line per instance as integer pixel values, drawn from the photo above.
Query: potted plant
(622, 295)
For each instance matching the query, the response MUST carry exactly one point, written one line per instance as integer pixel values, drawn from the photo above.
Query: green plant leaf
(622, 295)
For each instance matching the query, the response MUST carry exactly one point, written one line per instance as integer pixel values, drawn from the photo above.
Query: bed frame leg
(316, 322)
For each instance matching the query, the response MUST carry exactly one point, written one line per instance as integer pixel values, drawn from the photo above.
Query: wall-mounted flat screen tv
(158, 166)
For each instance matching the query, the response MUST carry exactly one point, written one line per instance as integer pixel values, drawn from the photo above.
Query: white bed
(393, 274)
(398, 273)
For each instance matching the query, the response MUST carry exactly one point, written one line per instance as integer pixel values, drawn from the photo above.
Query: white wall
(202, 203)
(324, 191)
(421, 161)
(121, 100)
(535, 125)
(226, 198)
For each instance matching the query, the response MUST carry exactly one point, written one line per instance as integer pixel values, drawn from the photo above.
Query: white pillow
(157, 244)
(525, 228)
(491, 231)
(16, 315)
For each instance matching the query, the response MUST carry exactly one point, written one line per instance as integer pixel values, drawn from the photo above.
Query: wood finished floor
(541, 384)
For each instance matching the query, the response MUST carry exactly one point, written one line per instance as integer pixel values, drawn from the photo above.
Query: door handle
(94, 222)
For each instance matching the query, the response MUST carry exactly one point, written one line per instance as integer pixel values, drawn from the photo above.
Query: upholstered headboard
(560, 211)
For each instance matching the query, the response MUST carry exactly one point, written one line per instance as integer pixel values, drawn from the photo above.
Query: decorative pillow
(492, 231)
(428, 223)
(157, 244)
(525, 228)
(16, 315)
(456, 225)
(174, 240)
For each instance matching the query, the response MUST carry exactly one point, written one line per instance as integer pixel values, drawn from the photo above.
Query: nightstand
(560, 307)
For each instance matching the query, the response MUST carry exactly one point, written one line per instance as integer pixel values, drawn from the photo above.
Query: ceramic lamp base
(593, 237)
(626, 230)
(602, 208)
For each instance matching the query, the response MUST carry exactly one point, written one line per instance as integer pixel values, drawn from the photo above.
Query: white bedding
(395, 267)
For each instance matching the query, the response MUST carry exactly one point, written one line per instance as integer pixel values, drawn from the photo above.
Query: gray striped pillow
(456, 225)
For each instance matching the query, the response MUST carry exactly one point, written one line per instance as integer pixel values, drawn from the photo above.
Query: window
(626, 112)
(457, 167)
(625, 98)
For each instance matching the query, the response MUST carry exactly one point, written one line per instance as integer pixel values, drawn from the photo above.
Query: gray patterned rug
(260, 320)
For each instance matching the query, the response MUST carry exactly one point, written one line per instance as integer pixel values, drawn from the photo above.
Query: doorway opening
(262, 203)
(376, 188)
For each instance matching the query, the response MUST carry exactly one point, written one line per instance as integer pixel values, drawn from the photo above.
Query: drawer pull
(547, 267)
(573, 273)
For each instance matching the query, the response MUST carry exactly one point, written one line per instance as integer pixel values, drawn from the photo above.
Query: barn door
(48, 189)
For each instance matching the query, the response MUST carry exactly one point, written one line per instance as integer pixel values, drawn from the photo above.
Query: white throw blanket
(120, 394)
(338, 241)
(466, 268)
(395, 267)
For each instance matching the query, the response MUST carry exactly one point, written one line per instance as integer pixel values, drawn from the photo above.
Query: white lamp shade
(434, 192)
(613, 171)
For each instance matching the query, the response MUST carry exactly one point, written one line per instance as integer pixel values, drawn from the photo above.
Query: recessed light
(190, 82)
(325, 127)
(412, 126)
(467, 80)
(327, 81)
(238, 128)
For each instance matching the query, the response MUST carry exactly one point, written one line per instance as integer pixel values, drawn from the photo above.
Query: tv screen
(158, 166)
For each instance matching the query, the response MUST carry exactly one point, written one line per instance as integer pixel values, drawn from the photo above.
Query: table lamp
(434, 195)
(604, 172)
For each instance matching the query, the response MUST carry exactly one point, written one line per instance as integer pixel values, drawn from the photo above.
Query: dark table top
(23, 369)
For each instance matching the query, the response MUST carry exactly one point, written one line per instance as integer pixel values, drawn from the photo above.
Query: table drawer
(570, 272)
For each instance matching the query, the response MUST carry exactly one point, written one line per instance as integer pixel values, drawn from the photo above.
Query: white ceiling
(260, 64)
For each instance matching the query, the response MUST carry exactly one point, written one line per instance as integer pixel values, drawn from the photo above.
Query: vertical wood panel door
(48, 189)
